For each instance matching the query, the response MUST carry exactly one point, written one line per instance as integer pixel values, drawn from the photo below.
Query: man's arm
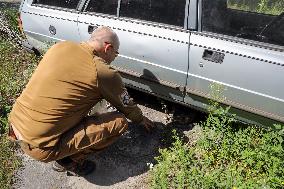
(113, 90)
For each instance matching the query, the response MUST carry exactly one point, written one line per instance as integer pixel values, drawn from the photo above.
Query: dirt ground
(125, 164)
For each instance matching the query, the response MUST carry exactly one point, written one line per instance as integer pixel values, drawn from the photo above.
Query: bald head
(105, 43)
(104, 34)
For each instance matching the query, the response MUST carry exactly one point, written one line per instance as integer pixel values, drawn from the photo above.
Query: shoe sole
(58, 169)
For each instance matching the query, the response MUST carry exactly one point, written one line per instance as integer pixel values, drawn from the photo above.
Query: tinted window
(250, 19)
(70, 4)
(103, 6)
(163, 11)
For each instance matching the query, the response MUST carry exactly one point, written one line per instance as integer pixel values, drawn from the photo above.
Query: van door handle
(91, 28)
(213, 56)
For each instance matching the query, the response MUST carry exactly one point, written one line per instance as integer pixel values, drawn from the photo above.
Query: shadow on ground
(122, 165)
(136, 149)
(128, 157)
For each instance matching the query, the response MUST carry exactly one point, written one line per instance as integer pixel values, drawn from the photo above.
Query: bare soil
(125, 164)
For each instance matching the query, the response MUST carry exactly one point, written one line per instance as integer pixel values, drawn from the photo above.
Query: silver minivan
(176, 49)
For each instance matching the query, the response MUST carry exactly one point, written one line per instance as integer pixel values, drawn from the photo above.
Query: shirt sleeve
(113, 90)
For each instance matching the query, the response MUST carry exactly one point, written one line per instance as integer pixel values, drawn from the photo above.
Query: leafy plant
(226, 155)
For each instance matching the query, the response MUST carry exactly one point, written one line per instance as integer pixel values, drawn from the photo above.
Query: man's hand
(148, 124)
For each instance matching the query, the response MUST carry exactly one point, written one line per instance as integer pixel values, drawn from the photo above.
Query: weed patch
(8, 162)
(227, 154)
(16, 67)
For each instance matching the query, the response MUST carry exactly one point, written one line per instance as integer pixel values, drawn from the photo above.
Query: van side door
(48, 21)
(239, 46)
(153, 54)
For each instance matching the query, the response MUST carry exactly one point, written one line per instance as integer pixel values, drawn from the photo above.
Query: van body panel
(153, 52)
(44, 26)
(180, 63)
(251, 76)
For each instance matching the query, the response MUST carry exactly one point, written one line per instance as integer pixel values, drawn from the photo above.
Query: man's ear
(107, 47)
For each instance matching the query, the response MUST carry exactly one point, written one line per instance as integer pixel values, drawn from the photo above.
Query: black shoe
(74, 168)
(84, 168)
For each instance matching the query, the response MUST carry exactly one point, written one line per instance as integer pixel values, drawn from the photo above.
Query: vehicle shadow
(157, 87)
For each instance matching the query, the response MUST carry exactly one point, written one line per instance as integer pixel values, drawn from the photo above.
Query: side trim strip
(150, 63)
(73, 10)
(202, 94)
(240, 41)
(238, 88)
(59, 18)
(141, 22)
(179, 41)
(47, 36)
(238, 54)
(138, 75)
(238, 105)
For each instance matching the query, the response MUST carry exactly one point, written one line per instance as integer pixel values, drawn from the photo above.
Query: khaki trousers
(91, 135)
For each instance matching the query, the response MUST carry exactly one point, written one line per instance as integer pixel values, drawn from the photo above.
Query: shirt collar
(89, 48)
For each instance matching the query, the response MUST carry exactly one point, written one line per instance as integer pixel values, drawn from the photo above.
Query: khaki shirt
(67, 83)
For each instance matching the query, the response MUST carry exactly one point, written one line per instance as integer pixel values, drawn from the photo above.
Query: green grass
(11, 16)
(226, 154)
(259, 6)
(8, 162)
(16, 67)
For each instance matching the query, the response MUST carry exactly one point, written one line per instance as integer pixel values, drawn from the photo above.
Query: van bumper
(28, 47)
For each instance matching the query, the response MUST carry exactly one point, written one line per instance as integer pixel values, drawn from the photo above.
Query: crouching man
(50, 116)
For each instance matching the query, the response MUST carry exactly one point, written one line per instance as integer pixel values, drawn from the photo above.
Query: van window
(70, 4)
(164, 11)
(257, 20)
(103, 6)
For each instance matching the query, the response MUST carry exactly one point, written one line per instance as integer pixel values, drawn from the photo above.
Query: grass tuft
(16, 67)
(226, 154)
